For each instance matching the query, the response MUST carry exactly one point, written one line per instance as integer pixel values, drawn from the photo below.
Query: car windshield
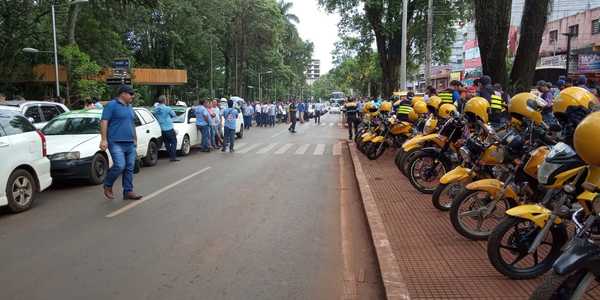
(180, 118)
(76, 125)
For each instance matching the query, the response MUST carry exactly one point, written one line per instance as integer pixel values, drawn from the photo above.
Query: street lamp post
(259, 88)
(33, 50)
(569, 35)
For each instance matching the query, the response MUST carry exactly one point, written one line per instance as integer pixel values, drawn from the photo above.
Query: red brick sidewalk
(434, 261)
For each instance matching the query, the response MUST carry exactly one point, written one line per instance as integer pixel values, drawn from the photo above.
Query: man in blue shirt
(117, 130)
(230, 115)
(248, 112)
(301, 111)
(203, 124)
(165, 115)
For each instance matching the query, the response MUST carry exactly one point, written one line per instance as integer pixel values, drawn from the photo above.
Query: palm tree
(285, 7)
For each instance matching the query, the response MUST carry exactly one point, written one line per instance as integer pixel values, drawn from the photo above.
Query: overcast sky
(318, 27)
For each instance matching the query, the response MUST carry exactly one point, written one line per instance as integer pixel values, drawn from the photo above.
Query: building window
(553, 36)
(596, 26)
(574, 30)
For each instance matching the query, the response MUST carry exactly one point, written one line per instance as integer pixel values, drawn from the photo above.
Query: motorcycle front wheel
(425, 171)
(509, 243)
(375, 150)
(444, 194)
(471, 216)
(568, 286)
(405, 161)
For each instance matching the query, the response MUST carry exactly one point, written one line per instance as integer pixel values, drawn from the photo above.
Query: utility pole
(569, 35)
(403, 50)
(212, 90)
(429, 43)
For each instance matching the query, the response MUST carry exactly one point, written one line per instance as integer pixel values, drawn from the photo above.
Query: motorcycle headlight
(545, 171)
(465, 154)
(562, 150)
(65, 156)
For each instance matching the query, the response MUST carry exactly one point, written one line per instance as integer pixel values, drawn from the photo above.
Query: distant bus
(337, 97)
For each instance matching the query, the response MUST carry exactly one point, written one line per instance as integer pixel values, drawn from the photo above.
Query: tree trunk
(535, 15)
(492, 24)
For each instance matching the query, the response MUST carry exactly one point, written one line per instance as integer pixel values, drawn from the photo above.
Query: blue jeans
(213, 135)
(229, 138)
(247, 122)
(170, 140)
(205, 131)
(123, 155)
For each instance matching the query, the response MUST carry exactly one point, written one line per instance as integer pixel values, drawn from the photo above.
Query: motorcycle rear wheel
(514, 236)
(419, 159)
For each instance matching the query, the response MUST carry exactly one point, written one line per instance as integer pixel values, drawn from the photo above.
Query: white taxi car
(74, 138)
(24, 168)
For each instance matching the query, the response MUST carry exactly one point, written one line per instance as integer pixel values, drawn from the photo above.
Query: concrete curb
(395, 286)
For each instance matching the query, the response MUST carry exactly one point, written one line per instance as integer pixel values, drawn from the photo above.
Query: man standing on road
(230, 114)
(318, 110)
(164, 115)
(301, 111)
(215, 124)
(203, 123)
(292, 116)
(117, 131)
(248, 112)
(272, 114)
(257, 114)
(351, 110)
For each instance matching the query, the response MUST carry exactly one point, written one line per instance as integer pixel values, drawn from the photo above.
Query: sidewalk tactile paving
(435, 261)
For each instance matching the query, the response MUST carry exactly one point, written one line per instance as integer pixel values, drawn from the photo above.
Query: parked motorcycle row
(530, 187)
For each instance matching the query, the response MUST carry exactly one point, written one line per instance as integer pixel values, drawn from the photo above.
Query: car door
(142, 136)
(191, 130)
(151, 124)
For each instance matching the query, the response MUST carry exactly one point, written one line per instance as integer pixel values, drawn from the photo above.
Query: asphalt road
(261, 223)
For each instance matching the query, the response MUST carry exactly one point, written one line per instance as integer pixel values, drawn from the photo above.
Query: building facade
(313, 71)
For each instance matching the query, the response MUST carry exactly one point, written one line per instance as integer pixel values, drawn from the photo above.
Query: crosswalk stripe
(319, 150)
(330, 124)
(302, 149)
(240, 145)
(247, 149)
(267, 148)
(337, 149)
(284, 149)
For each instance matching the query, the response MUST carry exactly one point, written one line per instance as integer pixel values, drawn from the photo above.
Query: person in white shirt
(318, 111)
(258, 114)
(265, 113)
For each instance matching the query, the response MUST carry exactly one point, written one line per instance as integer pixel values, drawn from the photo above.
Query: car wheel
(185, 146)
(20, 190)
(241, 133)
(152, 155)
(98, 169)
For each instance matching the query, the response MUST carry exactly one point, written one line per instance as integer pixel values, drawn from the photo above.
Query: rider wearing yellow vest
(403, 109)
(446, 96)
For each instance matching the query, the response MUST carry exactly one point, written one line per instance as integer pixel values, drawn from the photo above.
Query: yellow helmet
(478, 106)
(446, 110)
(434, 102)
(417, 98)
(412, 115)
(586, 139)
(523, 105)
(419, 107)
(370, 107)
(572, 96)
(386, 106)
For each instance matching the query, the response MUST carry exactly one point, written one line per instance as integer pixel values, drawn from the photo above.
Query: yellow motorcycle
(393, 133)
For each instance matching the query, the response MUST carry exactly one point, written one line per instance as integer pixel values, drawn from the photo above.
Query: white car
(37, 112)
(74, 138)
(335, 109)
(24, 167)
(184, 125)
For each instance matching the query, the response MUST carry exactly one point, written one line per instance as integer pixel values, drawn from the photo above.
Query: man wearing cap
(117, 131)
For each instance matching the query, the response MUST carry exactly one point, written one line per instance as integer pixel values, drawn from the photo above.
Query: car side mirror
(192, 120)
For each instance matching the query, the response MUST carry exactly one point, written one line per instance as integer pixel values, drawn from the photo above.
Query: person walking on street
(216, 124)
(351, 110)
(265, 114)
(258, 114)
(230, 114)
(248, 112)
(117, 132)
(301, 111)
(164, 115)
(272, 114)
(202, 124)
(292, 116)
(318, 110)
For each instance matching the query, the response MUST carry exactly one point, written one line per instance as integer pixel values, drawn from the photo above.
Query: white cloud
(318, 27)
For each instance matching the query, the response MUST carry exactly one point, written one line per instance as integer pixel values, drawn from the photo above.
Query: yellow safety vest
(403, 109)
(446, 97)
(496, 103)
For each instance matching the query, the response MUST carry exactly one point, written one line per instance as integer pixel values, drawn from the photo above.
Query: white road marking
(284, 149)
(302, 149)
(331, 124)
(247, 149)
(279, 133)
(240, 145)
(156, 193)
(267, 148)
(337, 149)
(319, 150)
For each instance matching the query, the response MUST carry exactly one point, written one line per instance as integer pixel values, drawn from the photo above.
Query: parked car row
(42, 142)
